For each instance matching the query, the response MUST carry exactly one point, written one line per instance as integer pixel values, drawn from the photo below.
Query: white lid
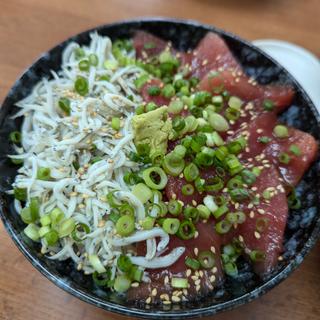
(302, 64)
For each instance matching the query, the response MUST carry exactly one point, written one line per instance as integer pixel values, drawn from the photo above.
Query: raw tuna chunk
(270, 217)
(211, 53)
(147, 45)
(240, 85)
(161, 278)
(292, 172)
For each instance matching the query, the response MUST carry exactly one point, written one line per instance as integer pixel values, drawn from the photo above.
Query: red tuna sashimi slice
(240, 85)
(147, 45)
(298, 164)
(294, 170)
(158, 100)
(161, 278)
(271, 214)
(211, 53)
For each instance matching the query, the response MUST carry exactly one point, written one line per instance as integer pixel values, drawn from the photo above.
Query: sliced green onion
(231, 269)
(64, 104)
(15, 137)
(51, 237)
(125, 225)
(239, 194)
(293, 201)
(154, 209)
(32, 232)
(45, 220)
(217, 101)
(101, 279)
(122, 283)
(262, 224)
(16, 161)
(168, 91)
(135, 273)
(151, 106)
(77, 233)
(233, 164)
(115, 123)
(175, 106)
(196, 111)
(194, 81)
(110, 64)
(66, 227)
(220, 200)
(171, 225)
(214, 184)
(294, 149)
(79, 53)
(43, 174)
(81, 86)
(96, 263)
(199, 184)
(84, 65)
(34, 208)
(241, 217)
(180, 151)
(25, 215)
(181, 283)
(192, 263)
(186, 230)
(126, 208)
(218, 122)
(284, 158)
(142, 192)
(206, 259)
(235, 103)
(56, 215)
(148, 223)
(201, 98)
(156, 157)
(264, 139)
(187, 189)
(268, 105)
(204, 212)
(214, 139)
(124, 263)
(281, 131)
(220, 211)
(256, 171)
(173, 164)
(248, 177)
(20, 194)
(154, 91)
(231, 217)
(93, 59)
(223, 227)
(257, 255)
(235, 182)
(139, 110)
(155, 178)
(114, 203)
(141, 81)
(221, 153)
(114, 216)
(178, 123)
(191, 172)
(232, 114)
(174, 207)
(190, 212)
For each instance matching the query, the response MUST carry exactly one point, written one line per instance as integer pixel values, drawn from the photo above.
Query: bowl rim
(195, 312)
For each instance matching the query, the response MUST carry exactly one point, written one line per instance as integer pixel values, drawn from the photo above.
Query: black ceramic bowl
(303, 225)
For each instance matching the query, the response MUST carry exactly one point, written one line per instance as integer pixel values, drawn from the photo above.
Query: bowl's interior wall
(301, 223)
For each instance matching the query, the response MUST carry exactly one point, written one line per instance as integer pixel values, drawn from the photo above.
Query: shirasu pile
(54, 140)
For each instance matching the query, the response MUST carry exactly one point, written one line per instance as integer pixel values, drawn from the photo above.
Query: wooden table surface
(29, 27)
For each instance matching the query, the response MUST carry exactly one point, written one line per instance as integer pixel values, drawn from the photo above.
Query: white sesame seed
(166, 302)
(175, 299)
(214, 269)
(148, 300)
(241, 238)
(251, 215)
(135, 284)
(201, 273)
(164, 296)
(188, 273)
(194, 202)
(213, 278)
(257, 235)
(166, 280)
(196, 251)
(197, 282)
(261, 211)
(213, 249)
(154, 292)
(198, 288)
